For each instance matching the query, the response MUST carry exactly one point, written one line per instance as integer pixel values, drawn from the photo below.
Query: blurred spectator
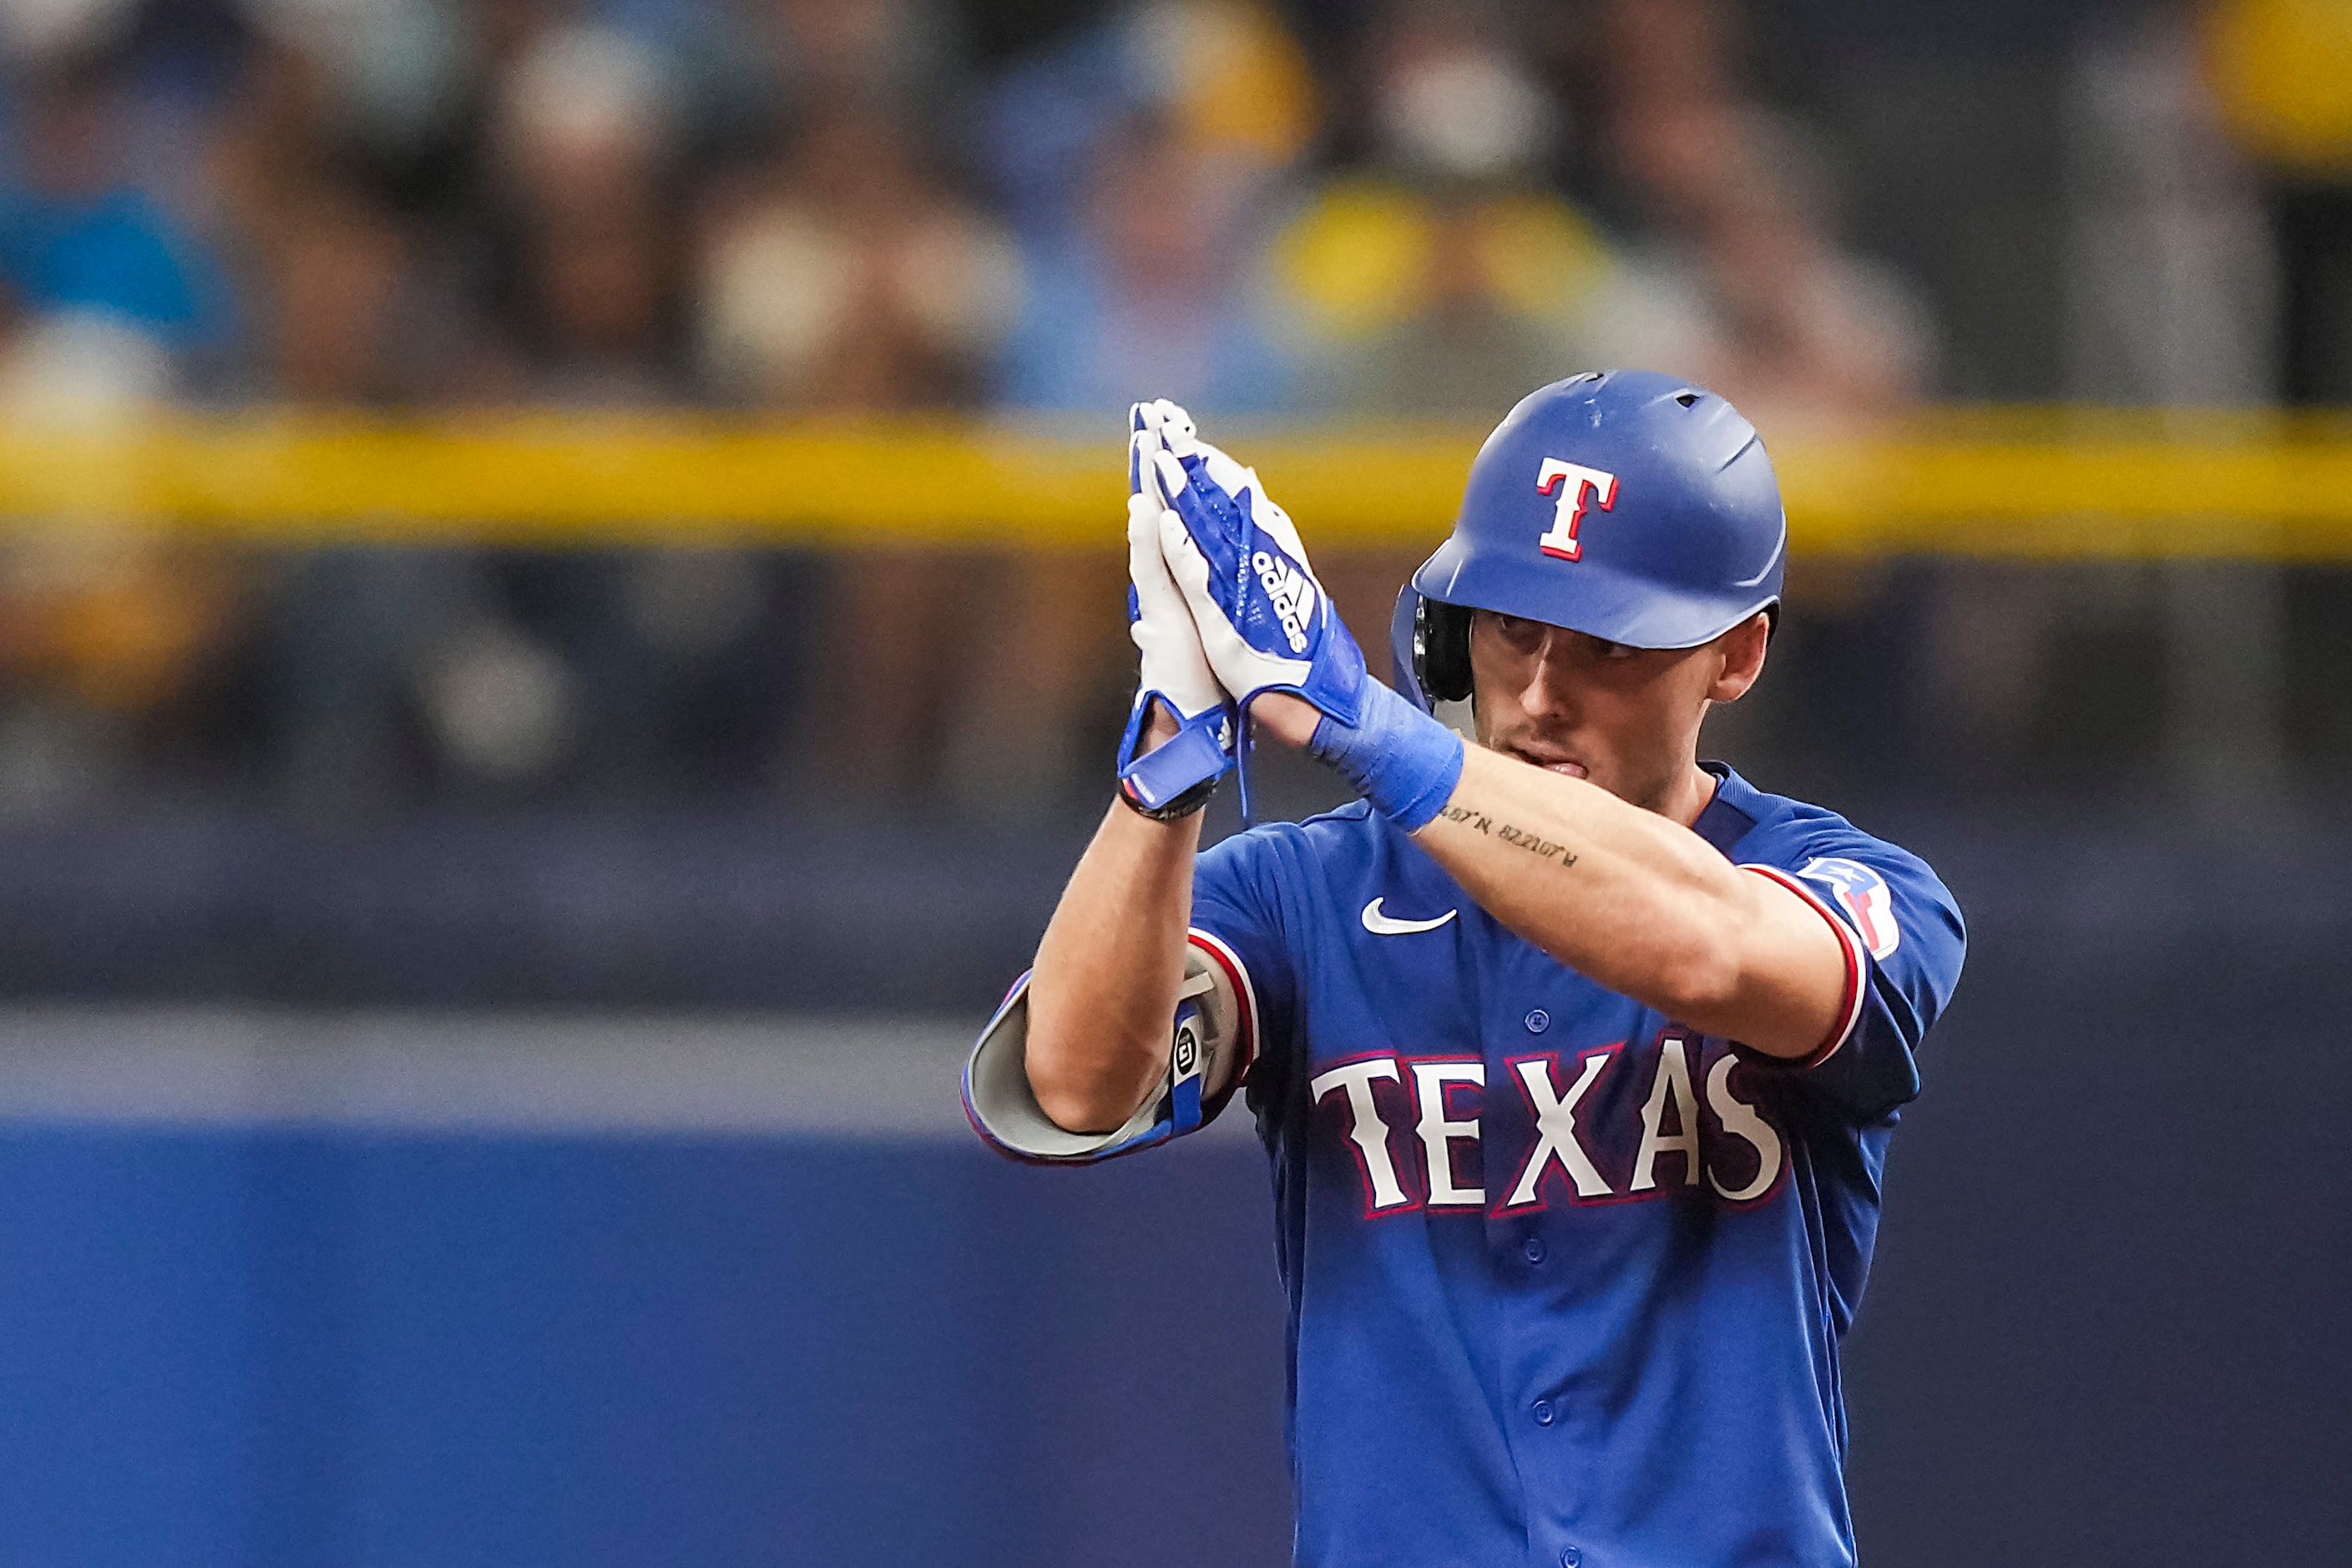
(844, 275)
(1150, 298)
(1443, 278)
(2171, 271)
(2173, 301)
(344, 328)
(351, 305)
(548, 678)
(590, 270)
(110, 305)
(1733, 207)
(358, 237)
(1802, 332)
(100, 630)
(1223, 76)
(110, 295)
(891, 54)
(505, 672)
(1797, 332)
(1138, 159)
(2282, 72)
(385, 85)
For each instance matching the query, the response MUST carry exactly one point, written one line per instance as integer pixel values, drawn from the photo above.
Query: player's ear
(1742, 650)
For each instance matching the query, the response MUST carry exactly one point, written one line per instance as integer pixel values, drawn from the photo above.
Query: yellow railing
(2011, 483)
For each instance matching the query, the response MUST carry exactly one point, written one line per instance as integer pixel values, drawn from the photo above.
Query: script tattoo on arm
(1533, 844)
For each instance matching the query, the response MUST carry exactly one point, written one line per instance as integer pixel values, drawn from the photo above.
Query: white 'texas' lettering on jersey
(1441, 1108)
(1366, 1130)
(1739, 1120)
(1438, 1133)
(1379, 924)
(1672, 1084)
(1555, 1139)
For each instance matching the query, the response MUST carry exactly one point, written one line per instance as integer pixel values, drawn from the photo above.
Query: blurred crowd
(1425, 207)
(828, 204)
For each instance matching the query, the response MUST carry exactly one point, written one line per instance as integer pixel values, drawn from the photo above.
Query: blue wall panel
(2105, 1327)
(306, 1348)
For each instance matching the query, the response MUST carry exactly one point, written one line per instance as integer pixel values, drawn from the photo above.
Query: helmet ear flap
(1441, 649)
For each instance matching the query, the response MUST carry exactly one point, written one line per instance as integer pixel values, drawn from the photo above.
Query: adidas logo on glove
(1293, 592)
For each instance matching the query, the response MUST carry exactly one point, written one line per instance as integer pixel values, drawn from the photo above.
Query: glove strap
(1398, 757)
(1176, 778)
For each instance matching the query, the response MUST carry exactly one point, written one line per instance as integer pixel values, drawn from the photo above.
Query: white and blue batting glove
(1266, 625)
(1176, 777)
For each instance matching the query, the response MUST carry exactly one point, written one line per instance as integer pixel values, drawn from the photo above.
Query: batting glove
(1266, 625)
(1176, 777)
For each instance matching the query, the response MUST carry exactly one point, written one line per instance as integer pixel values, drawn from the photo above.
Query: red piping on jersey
(1237, 973)
(1849, 943)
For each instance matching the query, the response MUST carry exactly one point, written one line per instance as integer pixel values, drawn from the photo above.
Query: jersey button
(1544, 1413)
(1569, 1557)
(1538, 1021)
(1535, 1249)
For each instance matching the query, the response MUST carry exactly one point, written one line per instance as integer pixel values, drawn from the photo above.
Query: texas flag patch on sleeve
(1864, 895)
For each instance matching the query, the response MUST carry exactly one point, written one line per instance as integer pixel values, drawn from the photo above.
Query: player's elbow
(1700, 980)
(1090, 1105)
(1081, 1081)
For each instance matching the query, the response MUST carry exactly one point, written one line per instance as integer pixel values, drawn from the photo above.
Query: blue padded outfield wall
(290, 1289)
(627, 1331)
(322, 1349)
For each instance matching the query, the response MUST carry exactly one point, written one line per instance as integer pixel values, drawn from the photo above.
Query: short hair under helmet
(1623, 504)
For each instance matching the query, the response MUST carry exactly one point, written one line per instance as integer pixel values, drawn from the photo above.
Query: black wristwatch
(1174, 809)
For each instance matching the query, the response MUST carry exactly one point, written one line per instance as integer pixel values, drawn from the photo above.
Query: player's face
(1625, 718)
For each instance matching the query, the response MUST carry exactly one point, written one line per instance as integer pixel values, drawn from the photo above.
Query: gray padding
(1001, 1099)
(1007, 1106)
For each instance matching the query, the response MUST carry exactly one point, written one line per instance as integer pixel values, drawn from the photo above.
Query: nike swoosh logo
(1379, 924)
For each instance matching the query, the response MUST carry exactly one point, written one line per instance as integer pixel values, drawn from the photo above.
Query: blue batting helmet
(1623, 504)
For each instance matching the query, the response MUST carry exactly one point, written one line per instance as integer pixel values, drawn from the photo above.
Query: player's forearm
(1638, 903)
(1109, 969)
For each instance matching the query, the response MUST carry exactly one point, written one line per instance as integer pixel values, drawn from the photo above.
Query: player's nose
(1550, 690)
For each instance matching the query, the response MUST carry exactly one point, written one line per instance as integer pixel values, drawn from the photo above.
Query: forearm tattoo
(1533, 844)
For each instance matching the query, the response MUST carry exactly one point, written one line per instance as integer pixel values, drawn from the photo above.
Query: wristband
(1176, 808)
(1398, 757)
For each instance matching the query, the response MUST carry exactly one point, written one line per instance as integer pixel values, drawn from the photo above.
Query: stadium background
(559, 628)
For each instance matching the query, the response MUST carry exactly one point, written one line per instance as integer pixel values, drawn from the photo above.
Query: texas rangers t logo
(1561, 541)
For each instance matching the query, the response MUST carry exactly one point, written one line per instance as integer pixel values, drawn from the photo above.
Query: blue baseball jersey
(1567, 1279)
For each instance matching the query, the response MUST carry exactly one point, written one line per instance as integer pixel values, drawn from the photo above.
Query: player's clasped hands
(1174, 778)
(1263, 620)
(1262, 623)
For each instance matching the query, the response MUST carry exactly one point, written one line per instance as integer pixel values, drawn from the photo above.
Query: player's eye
(1519, 632)
(1604, 651)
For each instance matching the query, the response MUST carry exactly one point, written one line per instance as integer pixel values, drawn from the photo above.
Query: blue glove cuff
(1175, 779)
(1398, 757)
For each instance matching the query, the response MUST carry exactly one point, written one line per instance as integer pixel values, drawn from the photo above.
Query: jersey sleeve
(1237, 915)
(1904, 941)
(1235, 938)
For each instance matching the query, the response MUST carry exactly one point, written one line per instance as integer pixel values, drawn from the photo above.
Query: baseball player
(1576, 1058)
